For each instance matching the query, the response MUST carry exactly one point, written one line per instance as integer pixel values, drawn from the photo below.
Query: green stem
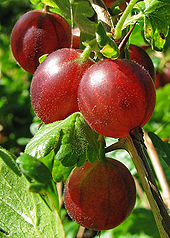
(118, 29)
(132, 19)
(53, 196)
(102, 144)
(87, 51)
(85, 54)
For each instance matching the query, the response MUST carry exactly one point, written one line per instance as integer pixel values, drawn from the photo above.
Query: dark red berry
(37, 33)
(116, 96)
(139, 55)
(55, 84)
(101, 195)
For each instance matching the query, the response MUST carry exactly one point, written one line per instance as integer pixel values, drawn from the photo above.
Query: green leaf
(34, 169)
(64, 5)
(36, 2)
(156, 22)
(162, 146)
(24, 214)
(137, 35)
(50, 3)
(48, 160)
(42, 58)
(37, 171)
(72, 140)
(101, 35)
(9, 159)
(60, 172)
(82, 11)
(110, 48)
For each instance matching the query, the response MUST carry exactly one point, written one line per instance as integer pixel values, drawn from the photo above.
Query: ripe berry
(116, 96)
(37, 33)
(138, 55)
(55, 84)
(101, 195)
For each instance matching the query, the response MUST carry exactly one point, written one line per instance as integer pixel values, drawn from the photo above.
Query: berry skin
(138, 55)
(55, 84)
(116, 96)
(37, 33)
(100, 196)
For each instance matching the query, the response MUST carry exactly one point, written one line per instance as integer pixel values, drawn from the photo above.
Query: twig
(80, 232)
(141, 194)
(158, 207)
(60, 196)
(158, 169)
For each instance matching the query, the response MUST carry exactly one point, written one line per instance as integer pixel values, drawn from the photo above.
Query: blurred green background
(18, 123)
(16, 113)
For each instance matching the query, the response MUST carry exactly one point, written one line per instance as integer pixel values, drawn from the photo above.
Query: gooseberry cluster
(114, 96)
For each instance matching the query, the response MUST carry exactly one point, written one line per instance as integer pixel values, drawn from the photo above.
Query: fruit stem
(46, 8)
(134, 147)
(118, 29)
(87, 51)
(53, 196)
(116, 146)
